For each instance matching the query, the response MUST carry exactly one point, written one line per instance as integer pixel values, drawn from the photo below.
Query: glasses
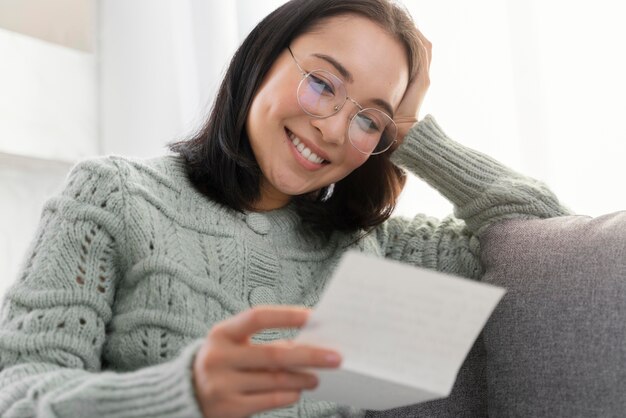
(322, 94)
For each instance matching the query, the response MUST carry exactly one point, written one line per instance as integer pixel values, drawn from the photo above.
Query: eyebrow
(348, 76)
(386, 106)
(342, 70)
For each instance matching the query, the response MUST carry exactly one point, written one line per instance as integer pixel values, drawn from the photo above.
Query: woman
(150, 284)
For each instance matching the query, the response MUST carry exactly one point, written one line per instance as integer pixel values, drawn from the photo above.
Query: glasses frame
(337, 108)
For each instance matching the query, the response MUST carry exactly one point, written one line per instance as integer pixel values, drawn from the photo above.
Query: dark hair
(219, 157)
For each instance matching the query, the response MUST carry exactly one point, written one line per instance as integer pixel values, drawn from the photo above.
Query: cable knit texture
(131, 266)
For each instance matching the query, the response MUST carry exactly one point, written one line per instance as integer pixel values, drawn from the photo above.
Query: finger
(425, 54)
(241, 326)
(426, 45)
(254, 382)
(274, 357)
(246, 405)
(417, 85)
(405, 120)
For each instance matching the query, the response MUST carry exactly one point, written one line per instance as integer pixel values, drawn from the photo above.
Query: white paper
(403, 331)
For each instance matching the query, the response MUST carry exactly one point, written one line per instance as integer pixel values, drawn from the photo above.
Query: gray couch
(555, 346)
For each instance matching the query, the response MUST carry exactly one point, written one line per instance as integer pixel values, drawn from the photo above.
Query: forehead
(377, 60)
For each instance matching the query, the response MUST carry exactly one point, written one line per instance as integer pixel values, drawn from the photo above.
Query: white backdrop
(536, 84)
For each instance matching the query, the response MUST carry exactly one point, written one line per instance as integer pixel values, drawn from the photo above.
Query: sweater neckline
(262, 222)
(276, 220)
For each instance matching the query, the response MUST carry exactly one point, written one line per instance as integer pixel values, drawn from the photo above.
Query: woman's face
(378, 68)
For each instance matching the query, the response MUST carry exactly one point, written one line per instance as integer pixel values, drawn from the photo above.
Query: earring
(328, 192)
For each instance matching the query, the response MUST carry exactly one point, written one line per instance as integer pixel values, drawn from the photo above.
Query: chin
(295, 191)
(292, 187)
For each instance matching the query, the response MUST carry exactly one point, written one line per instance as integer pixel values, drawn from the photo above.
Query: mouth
(304, 151)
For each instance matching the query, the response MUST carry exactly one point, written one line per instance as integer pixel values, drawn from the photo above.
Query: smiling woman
(248, 166)
(277, 113)
(169, 273)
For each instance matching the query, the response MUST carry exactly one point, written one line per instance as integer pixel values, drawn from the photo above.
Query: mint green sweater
(131, 266)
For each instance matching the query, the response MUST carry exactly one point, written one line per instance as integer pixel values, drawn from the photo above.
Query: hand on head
(408, 111)
(234, 378)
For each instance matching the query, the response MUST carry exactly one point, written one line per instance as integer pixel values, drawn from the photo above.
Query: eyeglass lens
(322, 94)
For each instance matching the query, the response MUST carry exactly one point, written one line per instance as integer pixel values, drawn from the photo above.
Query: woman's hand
(235, 378)
(408, 111)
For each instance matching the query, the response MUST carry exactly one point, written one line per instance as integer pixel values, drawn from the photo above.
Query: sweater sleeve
(54, 317)
(482, 191)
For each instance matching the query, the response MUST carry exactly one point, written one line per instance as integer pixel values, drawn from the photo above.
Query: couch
(555, 346)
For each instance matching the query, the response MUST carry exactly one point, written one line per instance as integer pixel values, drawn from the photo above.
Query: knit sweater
(131, 266)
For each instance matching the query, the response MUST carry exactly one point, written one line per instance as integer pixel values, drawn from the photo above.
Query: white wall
(48, 100)
(64, 22)
(48, 113)
(25, 183)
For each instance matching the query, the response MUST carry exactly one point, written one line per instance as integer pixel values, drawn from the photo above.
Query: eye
(367, 123)
(320, 85)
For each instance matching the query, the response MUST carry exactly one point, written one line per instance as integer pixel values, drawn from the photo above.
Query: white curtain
(161, 63)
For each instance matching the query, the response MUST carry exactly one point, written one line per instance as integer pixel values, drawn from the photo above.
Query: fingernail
(332, 358)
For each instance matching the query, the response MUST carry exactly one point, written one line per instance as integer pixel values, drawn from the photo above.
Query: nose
(334, 129)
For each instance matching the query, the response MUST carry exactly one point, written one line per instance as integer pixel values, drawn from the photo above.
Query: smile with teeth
(304, 150)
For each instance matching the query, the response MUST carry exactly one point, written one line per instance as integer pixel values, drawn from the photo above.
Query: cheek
(261, 107)
(354, 158)
(277, 99)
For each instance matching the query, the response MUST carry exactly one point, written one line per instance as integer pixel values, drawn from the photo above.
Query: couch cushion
(468, 398)
(556, 343)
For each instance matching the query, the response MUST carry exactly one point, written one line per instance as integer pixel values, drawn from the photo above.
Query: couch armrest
(556, 343)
